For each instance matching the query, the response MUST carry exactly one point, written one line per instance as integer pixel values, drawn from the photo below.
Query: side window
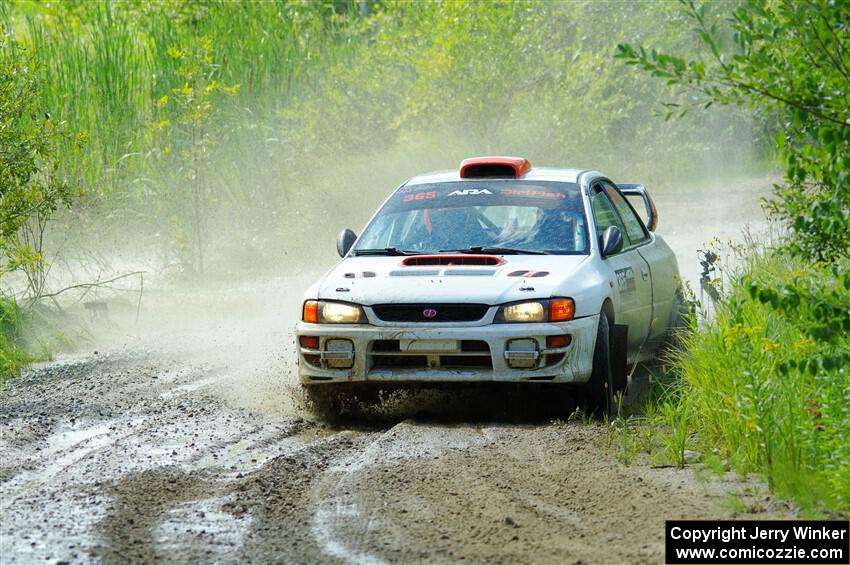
(605, 215)
(634, 227)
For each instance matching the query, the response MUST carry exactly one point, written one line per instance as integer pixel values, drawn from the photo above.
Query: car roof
(535, 174)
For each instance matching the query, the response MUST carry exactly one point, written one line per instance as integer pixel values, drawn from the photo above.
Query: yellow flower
(804, 345)
(768, 345)
(732, 334)
(162, 102)
(161, 124)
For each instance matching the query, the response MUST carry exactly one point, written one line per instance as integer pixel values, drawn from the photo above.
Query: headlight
(524, 312)
(339, 313)
(553, 310)
(322, 312)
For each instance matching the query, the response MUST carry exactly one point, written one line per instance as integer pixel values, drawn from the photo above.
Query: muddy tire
(325, 401)
(598, 393)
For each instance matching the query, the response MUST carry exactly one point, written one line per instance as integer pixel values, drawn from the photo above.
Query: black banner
(744, 542)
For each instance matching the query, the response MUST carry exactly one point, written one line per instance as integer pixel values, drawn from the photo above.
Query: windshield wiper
(494, 250)
(385, 251)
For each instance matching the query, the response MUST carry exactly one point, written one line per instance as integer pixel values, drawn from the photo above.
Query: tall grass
(13, 355)
(104, 73)
(768, 379)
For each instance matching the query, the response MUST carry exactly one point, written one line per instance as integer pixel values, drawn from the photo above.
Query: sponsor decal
(470, 192)
(533, 193)
(626, 279)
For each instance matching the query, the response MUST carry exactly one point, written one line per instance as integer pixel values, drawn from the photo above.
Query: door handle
(644, 274)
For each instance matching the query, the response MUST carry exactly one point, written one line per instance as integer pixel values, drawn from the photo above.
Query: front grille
(430, 312)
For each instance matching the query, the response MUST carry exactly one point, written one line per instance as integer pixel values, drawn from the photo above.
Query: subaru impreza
(494, 272)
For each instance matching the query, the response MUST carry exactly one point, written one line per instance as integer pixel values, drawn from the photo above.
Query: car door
(628, 267)
(663, 270)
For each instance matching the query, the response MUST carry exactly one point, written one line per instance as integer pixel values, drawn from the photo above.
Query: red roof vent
(490, 167)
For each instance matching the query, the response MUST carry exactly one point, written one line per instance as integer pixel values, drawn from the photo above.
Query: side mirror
(611, 241)
(344, 241)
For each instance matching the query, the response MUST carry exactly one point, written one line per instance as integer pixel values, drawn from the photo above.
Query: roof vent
(494, 167)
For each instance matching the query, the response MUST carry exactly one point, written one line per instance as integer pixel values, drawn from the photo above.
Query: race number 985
(430, 195)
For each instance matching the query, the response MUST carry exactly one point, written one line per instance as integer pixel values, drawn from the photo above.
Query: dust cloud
(237, 329)
(236, 320)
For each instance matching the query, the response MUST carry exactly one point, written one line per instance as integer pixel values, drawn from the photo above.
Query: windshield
(488, 216)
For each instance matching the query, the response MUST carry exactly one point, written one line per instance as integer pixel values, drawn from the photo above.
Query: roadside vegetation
(31, 189)
(764, 382)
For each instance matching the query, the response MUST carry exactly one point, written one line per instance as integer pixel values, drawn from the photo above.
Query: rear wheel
(599, 390)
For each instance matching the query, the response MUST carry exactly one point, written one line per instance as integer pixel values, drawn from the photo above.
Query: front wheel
(599, 390)
(324, 401)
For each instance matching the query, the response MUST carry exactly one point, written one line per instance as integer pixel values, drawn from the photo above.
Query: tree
(31, 188)
(195, 133)
(792, 59)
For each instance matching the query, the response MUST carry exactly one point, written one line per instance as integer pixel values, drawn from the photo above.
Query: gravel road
(184, 440)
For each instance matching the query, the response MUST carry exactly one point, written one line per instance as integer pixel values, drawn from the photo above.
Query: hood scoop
(451, 260)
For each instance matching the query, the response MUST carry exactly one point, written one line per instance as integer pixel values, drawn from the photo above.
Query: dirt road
(183, 440)
(118, 459)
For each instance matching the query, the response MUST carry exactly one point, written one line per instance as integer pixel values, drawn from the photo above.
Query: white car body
(635, 288)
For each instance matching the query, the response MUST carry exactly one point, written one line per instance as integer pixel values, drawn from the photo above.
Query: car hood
(381, 280)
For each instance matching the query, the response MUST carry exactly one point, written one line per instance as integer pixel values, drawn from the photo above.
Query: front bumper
(374, 358)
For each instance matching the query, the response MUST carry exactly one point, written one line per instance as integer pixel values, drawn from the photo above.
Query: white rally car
(495, 272)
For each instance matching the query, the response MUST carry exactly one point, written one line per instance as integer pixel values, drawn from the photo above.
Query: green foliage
(768, 382)
(526, 77)
(13, 356)
(25, 138)
(790, 59)
(105, 66)
(31, 188)
(194, 107)
(767, 379)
